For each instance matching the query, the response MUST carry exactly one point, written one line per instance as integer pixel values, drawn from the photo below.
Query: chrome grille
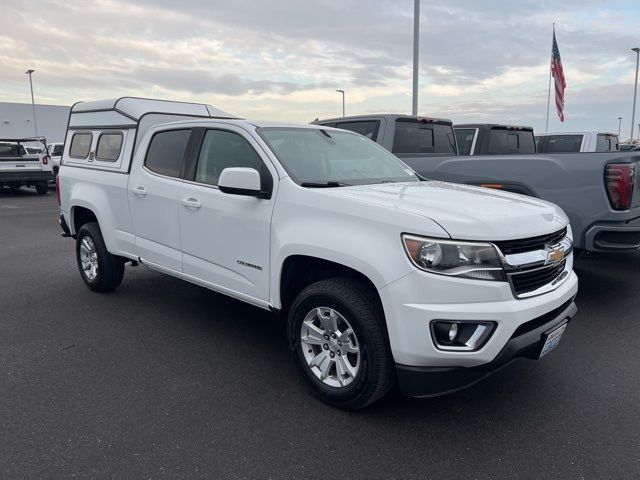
(526, 281)
(510, 247)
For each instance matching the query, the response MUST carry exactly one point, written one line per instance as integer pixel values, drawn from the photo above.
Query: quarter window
(166, 152)
(80, 145)
(464, 137)
(223, 149)
(109, 146)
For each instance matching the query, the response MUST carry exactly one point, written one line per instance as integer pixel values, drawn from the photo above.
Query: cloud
(284, 59)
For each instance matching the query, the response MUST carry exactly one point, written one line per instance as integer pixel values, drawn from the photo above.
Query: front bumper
(525, 342)
(613, 236)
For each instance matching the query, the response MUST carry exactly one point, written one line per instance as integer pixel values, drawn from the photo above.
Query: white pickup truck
(383, 278)
(574, 142)
(19, 168)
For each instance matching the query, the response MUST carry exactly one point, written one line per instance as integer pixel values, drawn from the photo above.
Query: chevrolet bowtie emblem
(554, 254)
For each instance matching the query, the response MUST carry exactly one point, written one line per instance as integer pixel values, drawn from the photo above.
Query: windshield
(328, 156)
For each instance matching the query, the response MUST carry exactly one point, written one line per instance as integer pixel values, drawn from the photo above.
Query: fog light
(461, 335)
(453, 331)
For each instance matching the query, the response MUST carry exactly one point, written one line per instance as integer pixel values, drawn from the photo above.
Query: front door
(225, 238)
(153, 199)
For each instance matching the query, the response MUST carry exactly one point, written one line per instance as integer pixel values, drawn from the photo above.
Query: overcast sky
(480, 61)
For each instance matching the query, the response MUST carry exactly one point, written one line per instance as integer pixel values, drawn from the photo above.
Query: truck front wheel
(100, 270)
(338, 341)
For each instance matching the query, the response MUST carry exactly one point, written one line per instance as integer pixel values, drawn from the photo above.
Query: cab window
(223, 149)
(166, 152)
(367, 129)
(564, 143)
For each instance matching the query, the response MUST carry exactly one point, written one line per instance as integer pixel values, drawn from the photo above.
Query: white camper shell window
(80, 145)
(109, 146)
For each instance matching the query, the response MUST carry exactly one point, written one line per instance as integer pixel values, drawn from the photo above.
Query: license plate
(553, 339)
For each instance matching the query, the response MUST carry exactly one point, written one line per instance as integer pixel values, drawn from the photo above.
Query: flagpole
(549, 90)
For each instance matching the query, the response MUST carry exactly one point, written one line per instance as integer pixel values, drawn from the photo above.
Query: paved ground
(166, 379)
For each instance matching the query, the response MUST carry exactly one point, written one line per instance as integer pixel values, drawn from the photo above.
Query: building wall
(16, 120)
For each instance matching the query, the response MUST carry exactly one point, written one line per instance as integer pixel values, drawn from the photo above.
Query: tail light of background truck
(45, 160)
(618, 180)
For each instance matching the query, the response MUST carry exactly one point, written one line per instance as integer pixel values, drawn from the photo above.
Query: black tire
(110, 267)
(361, 308)
(42, 188)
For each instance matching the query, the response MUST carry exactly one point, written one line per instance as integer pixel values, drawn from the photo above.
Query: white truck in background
(382, 278)
(576, 142)
(55, 152)
(18, 168)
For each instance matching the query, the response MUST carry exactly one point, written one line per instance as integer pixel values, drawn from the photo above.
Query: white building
(16, 120)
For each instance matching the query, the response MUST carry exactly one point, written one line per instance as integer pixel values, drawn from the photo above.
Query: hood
(465, 212)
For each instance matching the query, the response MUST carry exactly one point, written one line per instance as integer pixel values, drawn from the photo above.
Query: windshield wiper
(328, 184)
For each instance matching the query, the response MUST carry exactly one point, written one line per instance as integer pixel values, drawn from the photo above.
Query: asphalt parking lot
(163, 379)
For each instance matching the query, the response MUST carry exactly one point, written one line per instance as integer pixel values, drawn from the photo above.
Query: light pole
(635, 90)
(33, 103)
(619, 125)
(416, 55)
(342, 92)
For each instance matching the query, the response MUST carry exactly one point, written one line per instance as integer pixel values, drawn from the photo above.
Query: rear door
(226, 238)
(153, 189)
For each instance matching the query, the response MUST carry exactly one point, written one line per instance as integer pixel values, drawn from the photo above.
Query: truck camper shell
(130, 117)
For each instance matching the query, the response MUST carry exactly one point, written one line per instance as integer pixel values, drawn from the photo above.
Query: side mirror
(241, 181)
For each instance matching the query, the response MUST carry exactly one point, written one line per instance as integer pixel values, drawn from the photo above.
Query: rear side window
(564, 143)
(10, 150)
(607, 143)
(502, 141)
(464, 137)
(57, 150)
(222, 149)
(166, 152)
(109, 146)
(412, 136)
(80, 145)
(367, 129)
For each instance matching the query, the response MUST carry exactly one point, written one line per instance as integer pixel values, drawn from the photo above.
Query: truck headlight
(449, 257)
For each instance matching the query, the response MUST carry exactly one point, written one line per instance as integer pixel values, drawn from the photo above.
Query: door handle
(191, 203)
(140, 192)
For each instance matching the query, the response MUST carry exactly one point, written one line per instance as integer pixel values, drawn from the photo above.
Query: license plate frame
(551, 338)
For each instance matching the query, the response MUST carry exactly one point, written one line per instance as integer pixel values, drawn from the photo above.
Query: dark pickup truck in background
(600, 192)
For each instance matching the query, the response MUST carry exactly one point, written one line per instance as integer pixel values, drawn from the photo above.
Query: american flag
(558, 76)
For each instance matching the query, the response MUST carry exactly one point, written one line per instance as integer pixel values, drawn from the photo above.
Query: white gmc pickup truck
(382, 277)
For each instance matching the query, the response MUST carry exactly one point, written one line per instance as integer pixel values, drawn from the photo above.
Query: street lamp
(342, 92)
(33, 103)
(619, 125)
(635, 90)
(416, 56)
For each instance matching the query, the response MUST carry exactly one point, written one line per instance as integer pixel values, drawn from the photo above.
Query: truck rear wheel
(100, 270)
(42, 188)
(338, 341)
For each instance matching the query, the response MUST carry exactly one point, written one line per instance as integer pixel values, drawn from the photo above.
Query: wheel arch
(299, 271)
